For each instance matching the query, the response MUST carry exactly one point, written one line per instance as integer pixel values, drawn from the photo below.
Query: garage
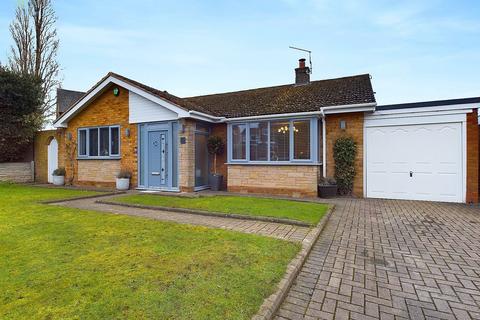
(416, 153)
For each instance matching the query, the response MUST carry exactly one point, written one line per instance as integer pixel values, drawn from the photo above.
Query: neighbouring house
(279, 139)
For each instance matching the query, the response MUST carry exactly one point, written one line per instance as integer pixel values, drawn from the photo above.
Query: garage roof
(424, 104)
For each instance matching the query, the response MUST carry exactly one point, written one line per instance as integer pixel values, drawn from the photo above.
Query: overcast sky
(415, 50)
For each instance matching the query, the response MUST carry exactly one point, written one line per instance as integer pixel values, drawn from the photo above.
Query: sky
(415, 50)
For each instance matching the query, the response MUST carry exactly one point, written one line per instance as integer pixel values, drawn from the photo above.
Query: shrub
(124, 174)
(59, 172)
(327, 182)
(344, 153)
(20, 113)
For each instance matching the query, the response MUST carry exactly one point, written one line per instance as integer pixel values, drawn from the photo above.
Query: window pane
(104, 141)
(279, 141)
(301, 140)
(115, 141)
(93, 142)
(82, 143)
(259, 141)
(201, 127)
(239, 141)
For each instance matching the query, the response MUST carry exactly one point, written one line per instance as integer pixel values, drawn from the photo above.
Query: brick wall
(354, 128)
(288, 180)
(472, 157)
(106, 110)
(220, 130)
(98, 171)
(41, 142)
(19, 172)
(186, 156)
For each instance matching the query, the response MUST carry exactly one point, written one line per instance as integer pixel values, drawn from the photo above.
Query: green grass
(295, 210)
(62, 263)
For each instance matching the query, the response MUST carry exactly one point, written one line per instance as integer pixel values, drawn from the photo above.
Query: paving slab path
(271, 229)
(388, 259)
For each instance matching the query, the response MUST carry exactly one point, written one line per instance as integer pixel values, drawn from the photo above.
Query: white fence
(20, 172)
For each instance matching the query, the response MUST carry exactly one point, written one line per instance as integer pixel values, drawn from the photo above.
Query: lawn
(58, 263)
(308, 212)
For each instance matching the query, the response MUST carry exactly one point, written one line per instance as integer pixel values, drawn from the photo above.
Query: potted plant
(215, 147)
(123, 179)
(327, 188)
(59, 176)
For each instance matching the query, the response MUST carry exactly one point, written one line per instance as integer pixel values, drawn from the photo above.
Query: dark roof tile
(289, 98)
(66, 98)
(262, 101)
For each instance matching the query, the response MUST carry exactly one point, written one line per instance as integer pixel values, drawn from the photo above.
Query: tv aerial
(309, 55)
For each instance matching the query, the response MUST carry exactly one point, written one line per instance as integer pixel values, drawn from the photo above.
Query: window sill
(99, 158)
(267, 163)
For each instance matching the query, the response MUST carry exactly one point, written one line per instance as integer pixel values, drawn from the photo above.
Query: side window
(114, 141)
(82, 142)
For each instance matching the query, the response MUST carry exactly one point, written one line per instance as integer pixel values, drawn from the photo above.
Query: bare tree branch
(35, 48)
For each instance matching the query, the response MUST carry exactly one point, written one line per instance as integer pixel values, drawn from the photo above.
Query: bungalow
(279, 139)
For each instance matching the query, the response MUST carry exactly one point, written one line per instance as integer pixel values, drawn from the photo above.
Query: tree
(215, 147)
(20, 111)
(35, 48)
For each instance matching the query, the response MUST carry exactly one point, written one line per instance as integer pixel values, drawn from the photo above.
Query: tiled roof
(66, 98)
(289, 98)
(262, 101)
(424, 104)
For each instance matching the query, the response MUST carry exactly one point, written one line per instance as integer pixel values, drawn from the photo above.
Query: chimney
(302, 73)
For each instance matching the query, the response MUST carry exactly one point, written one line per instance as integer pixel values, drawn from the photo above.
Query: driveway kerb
(271, 305)
(208, 213)
(83, 197)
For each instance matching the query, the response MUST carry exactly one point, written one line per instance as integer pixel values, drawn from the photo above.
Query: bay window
(258, 141)
(274, 141)
(239, 136)
(280, 141)
(301, 140)
(101, 142)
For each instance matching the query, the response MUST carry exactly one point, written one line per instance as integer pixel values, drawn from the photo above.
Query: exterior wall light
(127, 132)
(116, 91)
(343, 125)
(69, 136)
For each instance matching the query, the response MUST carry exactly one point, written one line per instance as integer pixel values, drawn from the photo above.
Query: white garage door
(417, 162)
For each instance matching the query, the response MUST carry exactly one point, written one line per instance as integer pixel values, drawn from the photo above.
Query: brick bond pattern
(106, 110)
(391, 259)
(354, 129)
(41, 142)
(288, 180)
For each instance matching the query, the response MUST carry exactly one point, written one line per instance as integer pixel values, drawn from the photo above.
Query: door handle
(155, 173)
(411, 174)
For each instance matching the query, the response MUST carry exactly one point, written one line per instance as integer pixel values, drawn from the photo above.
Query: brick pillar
(186, 155)
(354, 129)
(472, 157)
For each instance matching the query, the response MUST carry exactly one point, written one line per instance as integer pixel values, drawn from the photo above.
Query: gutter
(361, 107)
(203, 116)
(324, 144)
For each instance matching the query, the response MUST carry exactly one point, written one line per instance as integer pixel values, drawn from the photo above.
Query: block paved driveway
(391, 259)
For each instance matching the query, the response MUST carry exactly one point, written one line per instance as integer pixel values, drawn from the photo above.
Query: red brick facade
(293, 180)
(354, 129)
(472, 157)
(106, 110)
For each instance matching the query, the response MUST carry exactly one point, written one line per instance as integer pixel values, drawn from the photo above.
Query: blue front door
(157, 158)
